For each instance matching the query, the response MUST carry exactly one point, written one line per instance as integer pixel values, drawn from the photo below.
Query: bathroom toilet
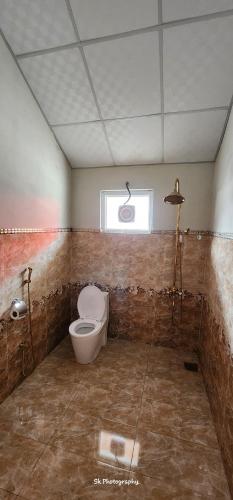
(89, 332)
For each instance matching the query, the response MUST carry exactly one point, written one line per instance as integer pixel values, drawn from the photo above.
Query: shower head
(175, 198)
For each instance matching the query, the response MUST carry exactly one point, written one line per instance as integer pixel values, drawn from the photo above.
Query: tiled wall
(48, 253)
(136, 269)
(217, 343)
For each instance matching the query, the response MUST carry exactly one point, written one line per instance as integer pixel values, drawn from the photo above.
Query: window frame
(104, 193)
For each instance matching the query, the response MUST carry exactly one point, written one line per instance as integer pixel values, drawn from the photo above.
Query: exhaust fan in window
(126, 213)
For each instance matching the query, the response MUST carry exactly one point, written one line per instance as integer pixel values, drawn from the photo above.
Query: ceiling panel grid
(85, 144)
(128, 82)
(125, 74)
(60, 84)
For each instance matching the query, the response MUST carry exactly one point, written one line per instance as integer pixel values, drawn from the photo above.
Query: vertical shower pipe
(174, 288)
(175, 198)
(27, 282)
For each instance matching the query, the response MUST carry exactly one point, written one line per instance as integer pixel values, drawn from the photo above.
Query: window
(140, 205)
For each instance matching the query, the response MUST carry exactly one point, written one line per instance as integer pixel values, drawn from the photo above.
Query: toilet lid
(91, 303)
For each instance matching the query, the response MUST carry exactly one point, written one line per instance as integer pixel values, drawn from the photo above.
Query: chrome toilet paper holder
(18, 309)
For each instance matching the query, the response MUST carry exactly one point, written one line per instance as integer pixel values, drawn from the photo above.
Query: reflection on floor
(135, 413)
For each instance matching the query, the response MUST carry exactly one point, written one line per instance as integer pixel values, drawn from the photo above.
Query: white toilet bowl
(89, 333)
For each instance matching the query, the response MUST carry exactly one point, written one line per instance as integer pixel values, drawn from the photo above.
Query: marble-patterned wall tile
(135, 269)
(58, 317)
(19, 352)
(139, 298)
(3, 362)
(39, 330)
(216, 344)
(194, 259)
(132, 323)
(146, 315)
(136, 260)
(183, 330)
(48, 253)
(49, 256)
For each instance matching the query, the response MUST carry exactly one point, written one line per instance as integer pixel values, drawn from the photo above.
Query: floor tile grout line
(61, 417)
(182, 440)
(16, 495)
(143, 387)
(32, 470)
(121, 469)
(166, 435)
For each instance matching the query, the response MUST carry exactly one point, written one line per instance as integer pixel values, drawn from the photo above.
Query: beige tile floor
(134, 414)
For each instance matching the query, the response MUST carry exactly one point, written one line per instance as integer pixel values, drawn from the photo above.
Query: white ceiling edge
(142, 165)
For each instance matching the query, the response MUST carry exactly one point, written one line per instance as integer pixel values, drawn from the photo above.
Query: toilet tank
(106, 312)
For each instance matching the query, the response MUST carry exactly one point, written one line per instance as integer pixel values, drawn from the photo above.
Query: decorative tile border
(134, 289)
(23, 230)
(226, 236)
(85, 230)
(17, 230)
(155, 231)
(145, 314)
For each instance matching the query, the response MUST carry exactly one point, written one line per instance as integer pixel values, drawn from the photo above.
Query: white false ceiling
(127, 81)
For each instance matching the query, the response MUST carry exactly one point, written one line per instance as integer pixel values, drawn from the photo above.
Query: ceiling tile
(112, 16)
(135, 140)
(192, 136)
(198, 65)
(85, 145)
(125, 74)
(182, 9)
(60, 84)
(33, 25)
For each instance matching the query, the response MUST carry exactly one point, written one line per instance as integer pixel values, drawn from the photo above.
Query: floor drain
(192, 367)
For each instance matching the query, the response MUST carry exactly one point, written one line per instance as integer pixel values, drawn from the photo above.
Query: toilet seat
(82, 323)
